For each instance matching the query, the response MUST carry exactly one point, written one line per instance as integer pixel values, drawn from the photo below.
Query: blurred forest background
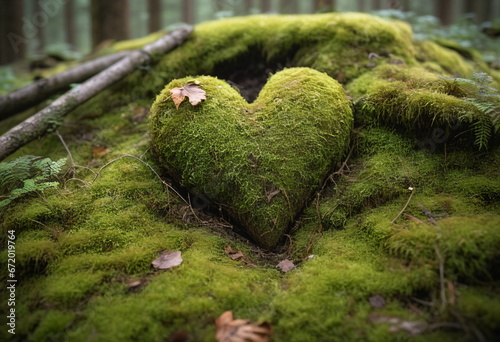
(31, 30)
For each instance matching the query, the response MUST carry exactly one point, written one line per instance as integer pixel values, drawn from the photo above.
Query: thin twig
(72, 168)
(413, 218)
(318, 213)
(149, 166)
(406, 205)
(76, 179)
(66, 147)
(340, 171)
(168, 186)
(192, 210)
(441, 275)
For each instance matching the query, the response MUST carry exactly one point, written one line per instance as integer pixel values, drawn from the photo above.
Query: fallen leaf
(167, 259)
(238, 255)
(377, 301)
(133, 282)
(99, 151)
(194, 93)
(240, 330)
(286, 265)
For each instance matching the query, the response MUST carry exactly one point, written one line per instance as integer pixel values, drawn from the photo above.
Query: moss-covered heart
(258, 162)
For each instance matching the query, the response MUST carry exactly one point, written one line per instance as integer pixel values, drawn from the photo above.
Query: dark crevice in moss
(249, 71)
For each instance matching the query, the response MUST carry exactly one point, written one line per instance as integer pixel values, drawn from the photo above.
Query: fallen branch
(36, 92)
(413, 218)
(427, 213)
(50, 117)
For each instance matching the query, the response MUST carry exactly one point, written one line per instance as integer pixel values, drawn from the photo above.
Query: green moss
(69, 289)
(449, 61)
(469, 245)
(411, 98)
(331, 291)
(385, 166)
(481, 305)
(78, 247)
(335, 43)
(243, 157)
(53, 325)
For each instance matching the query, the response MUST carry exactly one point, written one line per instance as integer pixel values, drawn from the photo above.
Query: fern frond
(27, 174)
(482, 130)
(14, 172)
(486, 118)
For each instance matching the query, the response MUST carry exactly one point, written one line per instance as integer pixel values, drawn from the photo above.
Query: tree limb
(51, 116)
(34, 93)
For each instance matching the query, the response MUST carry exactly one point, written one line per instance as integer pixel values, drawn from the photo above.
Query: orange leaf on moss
(240, 330)
(194, 93)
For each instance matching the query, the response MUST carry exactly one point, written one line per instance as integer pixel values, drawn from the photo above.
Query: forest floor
(399, 242)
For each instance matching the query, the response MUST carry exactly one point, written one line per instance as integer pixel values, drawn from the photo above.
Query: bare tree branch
(51, 116)
(34, 93)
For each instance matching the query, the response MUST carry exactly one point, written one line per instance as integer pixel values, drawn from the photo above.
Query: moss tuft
(469, 245)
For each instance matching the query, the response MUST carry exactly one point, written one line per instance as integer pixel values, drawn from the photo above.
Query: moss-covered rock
(259, 162)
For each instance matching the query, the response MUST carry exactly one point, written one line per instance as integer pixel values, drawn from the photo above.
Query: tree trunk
(468, 6)
(154, 9)
(51, 116)
(484, 11)
(40, 33)
(444, 11)
(13, 39)
(361, 5)
(188, 11)
(69, 24)
(265, 6)
(247, 6)
(404, 5)
(40, 90)
(289, 6)
(110, 20)
(324, 5)
(377, 5)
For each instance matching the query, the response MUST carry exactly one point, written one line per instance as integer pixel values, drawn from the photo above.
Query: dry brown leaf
(238, 255)
(167, 259)
(233, 253)
(99, 151)
(194, 93)
(286, 265)
(133, 282)
(240, 330)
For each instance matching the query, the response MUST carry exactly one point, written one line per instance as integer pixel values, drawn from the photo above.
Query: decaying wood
(36, 92)
(51, 116)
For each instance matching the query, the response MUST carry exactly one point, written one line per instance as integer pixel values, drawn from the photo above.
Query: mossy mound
(258, 162)
(370, 267)
(431, 107)
(339, 44)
